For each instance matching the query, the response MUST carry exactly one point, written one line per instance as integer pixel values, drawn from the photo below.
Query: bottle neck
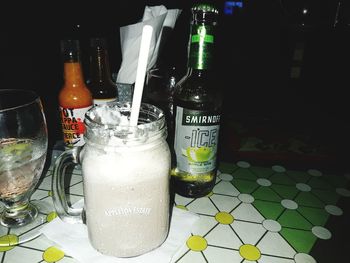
(72, 69)
(201, 44)
(100, 71)
(73, 74)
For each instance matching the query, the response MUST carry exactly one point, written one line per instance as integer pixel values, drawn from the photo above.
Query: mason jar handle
(65, 212)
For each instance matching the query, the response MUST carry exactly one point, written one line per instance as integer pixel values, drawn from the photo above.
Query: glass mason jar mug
(126, 180)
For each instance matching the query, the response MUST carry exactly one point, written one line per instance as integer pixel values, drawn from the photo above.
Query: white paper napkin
(73, 240)
(130, 39)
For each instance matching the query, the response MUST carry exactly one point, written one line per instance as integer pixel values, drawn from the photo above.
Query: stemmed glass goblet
(23, 149)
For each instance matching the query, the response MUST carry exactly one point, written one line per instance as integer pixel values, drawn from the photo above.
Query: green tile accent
(268, 209)
(281, 178)
(336, 180)
(301, 241)
(308, 199)
(262, 172)
(287, 192)
(293, 219)
(328, 197)
(298, 176)
(267, 194)
(227, 167)
(318, 217)
(245, 187)
(244, 173)
(319, 182)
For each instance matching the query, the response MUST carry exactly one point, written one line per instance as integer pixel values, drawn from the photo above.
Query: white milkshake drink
(126, 174)
(126, 197)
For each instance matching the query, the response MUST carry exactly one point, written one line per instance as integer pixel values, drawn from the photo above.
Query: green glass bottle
(197, 109)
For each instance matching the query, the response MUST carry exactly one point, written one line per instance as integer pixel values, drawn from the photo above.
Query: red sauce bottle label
(73, 126)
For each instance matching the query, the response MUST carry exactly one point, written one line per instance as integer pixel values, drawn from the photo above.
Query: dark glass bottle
(160, 84)
(197, 108)
(100, 83)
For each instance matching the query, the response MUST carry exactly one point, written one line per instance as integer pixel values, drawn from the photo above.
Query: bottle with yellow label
(74, 97)
(197, 108)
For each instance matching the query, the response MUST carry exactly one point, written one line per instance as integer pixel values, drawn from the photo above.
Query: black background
(254, 55)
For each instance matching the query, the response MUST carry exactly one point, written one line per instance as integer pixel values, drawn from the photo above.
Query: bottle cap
(204, 12)
(70, 48)
(98, 42)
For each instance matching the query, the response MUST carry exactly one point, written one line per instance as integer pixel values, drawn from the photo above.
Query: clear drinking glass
(23, 148)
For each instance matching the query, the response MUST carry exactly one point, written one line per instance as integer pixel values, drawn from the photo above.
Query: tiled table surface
(254, 214)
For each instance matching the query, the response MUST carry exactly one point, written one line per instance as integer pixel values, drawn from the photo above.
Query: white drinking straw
(140, 73)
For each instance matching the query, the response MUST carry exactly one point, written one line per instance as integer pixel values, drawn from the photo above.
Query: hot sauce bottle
(74, 97)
